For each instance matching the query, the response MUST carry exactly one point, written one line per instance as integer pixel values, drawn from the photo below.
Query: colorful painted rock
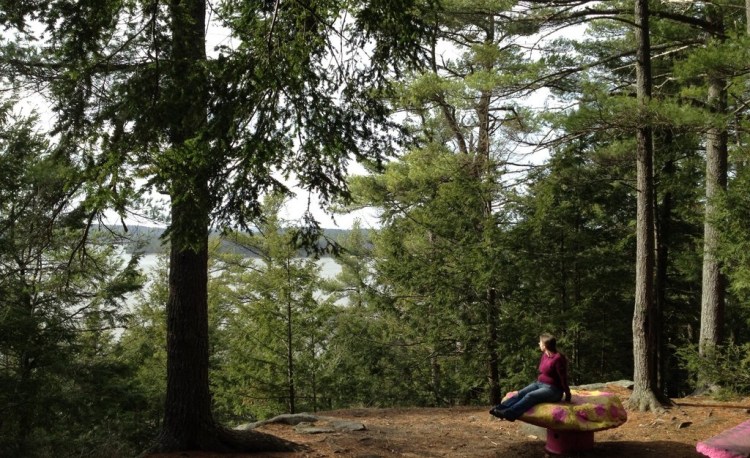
(586, 411)
(732, 443)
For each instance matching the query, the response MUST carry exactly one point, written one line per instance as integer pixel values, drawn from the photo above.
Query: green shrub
(727, 367)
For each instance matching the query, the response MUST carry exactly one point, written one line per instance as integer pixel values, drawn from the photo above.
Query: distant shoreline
(147, 240)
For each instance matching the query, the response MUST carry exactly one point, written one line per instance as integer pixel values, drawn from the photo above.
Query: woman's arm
(561, 366)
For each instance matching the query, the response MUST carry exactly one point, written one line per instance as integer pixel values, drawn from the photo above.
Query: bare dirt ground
(471, 432)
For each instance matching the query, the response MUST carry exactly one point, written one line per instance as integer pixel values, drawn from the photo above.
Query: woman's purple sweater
(553, 370)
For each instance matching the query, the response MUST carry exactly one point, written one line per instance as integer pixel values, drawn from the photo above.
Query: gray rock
(598, 386)
(307, 429)
(305, 423)
(288, 419)
(345, 425)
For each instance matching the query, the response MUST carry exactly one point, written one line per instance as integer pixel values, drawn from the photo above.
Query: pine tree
(645, 396)
(138, 98)
(574, 236)
(277, 325)
(62, 294)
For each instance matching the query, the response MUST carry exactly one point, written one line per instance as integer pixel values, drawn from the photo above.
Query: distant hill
(147, 240)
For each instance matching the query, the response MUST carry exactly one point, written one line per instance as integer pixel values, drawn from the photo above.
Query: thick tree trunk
(712, 297)
(713, 287)
(188, 421)
(644, 396)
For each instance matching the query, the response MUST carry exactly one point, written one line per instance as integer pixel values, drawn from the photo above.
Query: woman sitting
(550, 386)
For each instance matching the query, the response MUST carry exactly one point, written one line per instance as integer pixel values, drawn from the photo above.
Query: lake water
(329, 268)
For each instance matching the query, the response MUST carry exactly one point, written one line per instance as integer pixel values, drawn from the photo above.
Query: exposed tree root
(647, 400)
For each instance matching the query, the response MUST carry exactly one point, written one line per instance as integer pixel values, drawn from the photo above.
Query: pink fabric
(732, 443)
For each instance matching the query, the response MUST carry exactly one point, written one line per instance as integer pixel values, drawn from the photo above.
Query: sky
(368, 217)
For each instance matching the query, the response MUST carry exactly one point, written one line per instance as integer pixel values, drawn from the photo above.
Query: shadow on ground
(614, 449)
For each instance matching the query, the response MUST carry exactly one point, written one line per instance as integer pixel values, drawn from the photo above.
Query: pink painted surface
(587, 411)
(562, 442)
(732, 443)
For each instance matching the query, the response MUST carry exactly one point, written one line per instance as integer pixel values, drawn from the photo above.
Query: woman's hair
(549, 341)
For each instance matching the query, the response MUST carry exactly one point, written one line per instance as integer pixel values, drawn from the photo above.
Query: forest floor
(471, 432)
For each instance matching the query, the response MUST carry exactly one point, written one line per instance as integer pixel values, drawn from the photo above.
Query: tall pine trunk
(712, 297)
(485, 173)
(713, 285)
(188, 420)
(644, 396)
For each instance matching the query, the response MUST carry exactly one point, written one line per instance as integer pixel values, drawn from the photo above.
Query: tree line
(628, 240)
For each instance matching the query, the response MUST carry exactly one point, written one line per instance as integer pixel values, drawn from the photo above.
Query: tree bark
(712, 297)
(713, 285)
(188, 420)
(644, 396)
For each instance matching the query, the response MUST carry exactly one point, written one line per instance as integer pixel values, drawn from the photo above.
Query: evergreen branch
(569, 71)
(273, 24)
(616, 14)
